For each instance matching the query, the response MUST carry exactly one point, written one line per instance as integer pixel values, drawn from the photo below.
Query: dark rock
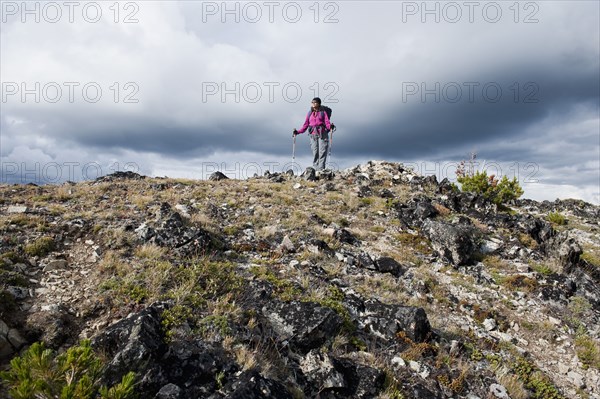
(277, 178)
(557, 288)
(565, 249)
(251, 385)
(169, 391)
(371, 382)
(170, 230)
(389, 265)
(326, 174)
(216, 176)
(445, 187)
(362, 179)
(365, 261)
(385, 321)
(385, 193)
(134, 343)
(540, 230)
(319, 246)
(344, 236)
(467, 202)
(309, 174)
(120, 176)
(55, 327)
(456, 243)
(317, 219)
(364, 191)
(189, 363)
(330, 186)
(302, 325)
(425, 210)
(416, 211)
(327, 374)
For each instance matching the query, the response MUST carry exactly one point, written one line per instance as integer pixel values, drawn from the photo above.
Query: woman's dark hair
(317, 99)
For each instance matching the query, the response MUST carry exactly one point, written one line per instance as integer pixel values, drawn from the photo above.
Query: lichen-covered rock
(251, 385)
(134, 343)
(217, 176)
(456, 243)
(389, 265)
(302, 325)
(385, 321)
(170, 230)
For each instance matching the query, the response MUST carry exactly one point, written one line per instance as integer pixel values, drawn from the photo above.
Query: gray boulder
(302, 325)
(456, 243)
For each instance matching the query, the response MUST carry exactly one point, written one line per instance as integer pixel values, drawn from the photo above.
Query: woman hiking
(318, 125)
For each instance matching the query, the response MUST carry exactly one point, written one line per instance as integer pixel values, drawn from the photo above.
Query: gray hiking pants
(319, 144)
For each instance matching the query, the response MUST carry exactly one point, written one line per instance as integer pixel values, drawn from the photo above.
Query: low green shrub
(74, 374)
(557, 218)
(499, 192)
(40, 247)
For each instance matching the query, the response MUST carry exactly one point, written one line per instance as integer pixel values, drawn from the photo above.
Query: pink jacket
(314, 119)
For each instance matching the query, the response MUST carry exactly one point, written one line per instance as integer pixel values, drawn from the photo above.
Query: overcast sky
(182, 89)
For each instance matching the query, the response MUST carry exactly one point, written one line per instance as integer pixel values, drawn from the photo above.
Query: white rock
(294, 263)
(563, 368)
(554, 320)
(17, 209)
(183, 210)
(297, 186)
(499, 391)
(576, 378)
(491, 245)
(56, 265)
(414, 365)
(489, 324)
(329, 231)
(522, 267)
(398, 361)
(287, 245)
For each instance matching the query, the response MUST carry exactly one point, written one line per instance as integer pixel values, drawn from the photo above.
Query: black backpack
(324, 108)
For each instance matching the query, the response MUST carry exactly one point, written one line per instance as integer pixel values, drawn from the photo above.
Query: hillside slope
(372, 282)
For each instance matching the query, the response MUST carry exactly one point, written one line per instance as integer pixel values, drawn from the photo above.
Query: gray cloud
(361, 66)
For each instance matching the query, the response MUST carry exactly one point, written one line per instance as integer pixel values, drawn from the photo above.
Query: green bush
(74, 374)
(41, 247)
(557, 218)
(499, 192)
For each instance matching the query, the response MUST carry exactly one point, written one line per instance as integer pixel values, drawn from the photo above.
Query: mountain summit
(372, 282)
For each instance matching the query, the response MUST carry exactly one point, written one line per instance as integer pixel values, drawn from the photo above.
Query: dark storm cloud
(426, 128)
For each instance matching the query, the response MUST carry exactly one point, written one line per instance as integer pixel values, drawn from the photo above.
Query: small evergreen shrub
(74, 374)
(498, 191)
(557, 218)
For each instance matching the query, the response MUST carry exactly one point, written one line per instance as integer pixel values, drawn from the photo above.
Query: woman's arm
(327, 122)
(305, 126)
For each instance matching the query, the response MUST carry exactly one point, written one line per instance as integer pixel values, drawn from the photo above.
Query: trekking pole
(294, 149)
(331, 143)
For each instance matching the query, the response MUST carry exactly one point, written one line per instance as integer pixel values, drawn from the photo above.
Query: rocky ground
(372, 282)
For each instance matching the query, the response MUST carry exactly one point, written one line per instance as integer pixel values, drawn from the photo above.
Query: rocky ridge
(372, 282)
